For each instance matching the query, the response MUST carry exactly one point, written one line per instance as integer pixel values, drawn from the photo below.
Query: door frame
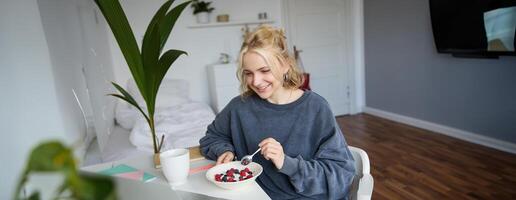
(355, 41)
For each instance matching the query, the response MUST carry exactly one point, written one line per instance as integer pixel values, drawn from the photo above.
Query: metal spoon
(249, 158)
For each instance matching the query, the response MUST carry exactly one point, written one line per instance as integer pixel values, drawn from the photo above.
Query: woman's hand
(272, 150)
(227, 156)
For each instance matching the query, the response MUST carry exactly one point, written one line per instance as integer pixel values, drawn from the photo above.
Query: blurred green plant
(52, 156)
(201, 6)
(149, 66)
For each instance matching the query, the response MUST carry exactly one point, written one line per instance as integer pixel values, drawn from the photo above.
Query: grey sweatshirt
(318, 163)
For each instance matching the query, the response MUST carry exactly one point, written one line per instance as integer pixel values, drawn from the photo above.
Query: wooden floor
(412, 163)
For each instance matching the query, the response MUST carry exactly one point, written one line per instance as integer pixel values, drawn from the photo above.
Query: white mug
(175, 164)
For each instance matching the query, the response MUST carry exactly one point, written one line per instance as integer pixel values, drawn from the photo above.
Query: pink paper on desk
(126, 171)
(137, 175)
(201, 168)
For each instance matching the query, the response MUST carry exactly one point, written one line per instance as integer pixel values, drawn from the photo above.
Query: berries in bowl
(234, 175)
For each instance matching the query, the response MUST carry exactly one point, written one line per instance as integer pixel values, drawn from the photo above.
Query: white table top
(197, 183)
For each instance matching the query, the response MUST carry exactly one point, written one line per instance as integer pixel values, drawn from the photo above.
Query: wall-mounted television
(474, 28)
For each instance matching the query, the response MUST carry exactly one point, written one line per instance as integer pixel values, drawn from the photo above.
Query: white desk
(197, 182)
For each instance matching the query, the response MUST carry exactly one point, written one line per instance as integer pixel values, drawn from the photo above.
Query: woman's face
(259, 77)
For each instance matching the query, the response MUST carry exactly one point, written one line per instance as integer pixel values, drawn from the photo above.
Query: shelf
(231, 23)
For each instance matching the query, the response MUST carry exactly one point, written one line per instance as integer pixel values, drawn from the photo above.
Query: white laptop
(47, 183)
(136, 190)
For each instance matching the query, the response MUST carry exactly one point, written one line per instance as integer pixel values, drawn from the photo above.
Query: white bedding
(183, 125)
(181, 120)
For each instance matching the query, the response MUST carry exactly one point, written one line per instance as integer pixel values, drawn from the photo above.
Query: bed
(182, 121)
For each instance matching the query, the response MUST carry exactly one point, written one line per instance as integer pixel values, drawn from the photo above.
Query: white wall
(29, 107)
(204, 45)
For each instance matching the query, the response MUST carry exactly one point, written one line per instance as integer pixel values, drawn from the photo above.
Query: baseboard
(445, 130)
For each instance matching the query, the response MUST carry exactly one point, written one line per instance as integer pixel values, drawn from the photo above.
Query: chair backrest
(361, 161)
(363, 183)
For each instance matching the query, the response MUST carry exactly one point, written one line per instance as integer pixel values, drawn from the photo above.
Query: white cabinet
(223, 83)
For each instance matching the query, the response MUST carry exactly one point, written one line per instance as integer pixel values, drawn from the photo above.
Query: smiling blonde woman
(303, 152)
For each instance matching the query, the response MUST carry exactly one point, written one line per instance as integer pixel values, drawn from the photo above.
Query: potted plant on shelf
(202, 11)
(149, 66)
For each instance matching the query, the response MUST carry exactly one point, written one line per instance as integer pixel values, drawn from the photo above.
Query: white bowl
(222, 168)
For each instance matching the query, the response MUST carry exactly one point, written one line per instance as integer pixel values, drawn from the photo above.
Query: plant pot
(203, 17)
(175, 164)
(157, 163)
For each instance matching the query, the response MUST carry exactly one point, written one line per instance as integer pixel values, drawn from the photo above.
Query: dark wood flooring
(412, 163)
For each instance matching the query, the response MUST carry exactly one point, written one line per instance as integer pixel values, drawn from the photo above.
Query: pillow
(126, 115)
(174, 87)
(172, 92)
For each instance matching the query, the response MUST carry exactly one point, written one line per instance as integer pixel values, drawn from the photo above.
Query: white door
(316, 27)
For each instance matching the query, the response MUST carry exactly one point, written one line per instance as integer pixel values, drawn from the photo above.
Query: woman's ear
(285, 66)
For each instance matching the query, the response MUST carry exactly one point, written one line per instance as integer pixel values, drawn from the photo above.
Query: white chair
(362, 188)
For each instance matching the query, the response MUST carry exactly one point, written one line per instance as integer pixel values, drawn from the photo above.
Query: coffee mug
(175, 164)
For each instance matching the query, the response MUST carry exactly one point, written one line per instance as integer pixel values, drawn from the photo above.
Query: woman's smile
(263, 89)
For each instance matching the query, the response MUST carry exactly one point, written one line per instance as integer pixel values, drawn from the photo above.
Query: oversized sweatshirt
(318, 163)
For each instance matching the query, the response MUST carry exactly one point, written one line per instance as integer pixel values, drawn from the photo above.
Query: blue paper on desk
(126, 171)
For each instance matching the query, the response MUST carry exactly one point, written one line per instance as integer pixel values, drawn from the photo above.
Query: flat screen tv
(474, 28)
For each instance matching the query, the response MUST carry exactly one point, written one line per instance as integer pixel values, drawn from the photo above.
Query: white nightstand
(223, 83)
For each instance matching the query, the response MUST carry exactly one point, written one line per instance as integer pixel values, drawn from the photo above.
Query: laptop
(126, 189)
(137, 190)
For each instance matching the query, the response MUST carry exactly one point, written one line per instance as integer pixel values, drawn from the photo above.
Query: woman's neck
(285, 96)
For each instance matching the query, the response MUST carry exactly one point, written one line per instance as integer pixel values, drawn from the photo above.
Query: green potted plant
(202, 10)
(53, 157)
(148, 66)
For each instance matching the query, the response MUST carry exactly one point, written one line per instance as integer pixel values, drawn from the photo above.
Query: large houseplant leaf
(169, 21)
(154, 40)
(117, 20)
(147, 67)
(128, 98)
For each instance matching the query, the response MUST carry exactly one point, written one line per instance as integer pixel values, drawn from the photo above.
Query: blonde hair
(270, 43)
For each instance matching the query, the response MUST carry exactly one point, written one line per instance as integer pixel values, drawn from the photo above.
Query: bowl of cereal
(233, 175)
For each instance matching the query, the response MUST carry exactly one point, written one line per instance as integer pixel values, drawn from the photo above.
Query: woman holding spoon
(303, 152)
